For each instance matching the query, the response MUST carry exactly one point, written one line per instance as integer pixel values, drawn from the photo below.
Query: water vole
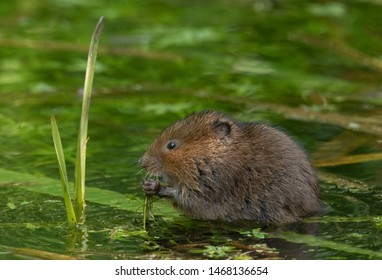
(215, 168)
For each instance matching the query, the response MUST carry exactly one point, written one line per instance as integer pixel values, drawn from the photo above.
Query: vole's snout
(148, 162)
(142, 162)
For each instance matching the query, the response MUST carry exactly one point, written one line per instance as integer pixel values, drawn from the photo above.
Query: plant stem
(147, 209)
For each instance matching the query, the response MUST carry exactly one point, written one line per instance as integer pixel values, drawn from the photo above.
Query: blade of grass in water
(320, 242)
(64, 177)
(83, 130)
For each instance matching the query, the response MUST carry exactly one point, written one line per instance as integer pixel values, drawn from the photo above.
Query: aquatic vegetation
(76, 214)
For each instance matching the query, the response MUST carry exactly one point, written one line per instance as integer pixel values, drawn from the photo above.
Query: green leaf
(83, 130)
(63, 174)
(31, 226)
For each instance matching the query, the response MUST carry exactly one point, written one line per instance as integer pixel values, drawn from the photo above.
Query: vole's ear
(223, 129)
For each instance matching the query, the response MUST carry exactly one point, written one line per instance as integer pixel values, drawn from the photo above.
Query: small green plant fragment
(217, 252)
(148, 206)
(378, 222)
(242, 257)
(258, 233)
(254, 233)
(147, 209)
(122, 234)
(31, 226)
(75, 214)
(11, 205)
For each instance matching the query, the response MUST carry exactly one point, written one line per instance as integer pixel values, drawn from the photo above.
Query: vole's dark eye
(171, 145)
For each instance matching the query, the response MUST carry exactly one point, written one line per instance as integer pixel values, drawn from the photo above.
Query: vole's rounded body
(215, 168)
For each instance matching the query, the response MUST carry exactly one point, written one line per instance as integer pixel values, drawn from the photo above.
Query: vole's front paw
(151, 186)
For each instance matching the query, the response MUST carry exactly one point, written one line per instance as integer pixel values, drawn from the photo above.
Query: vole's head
(189, 148)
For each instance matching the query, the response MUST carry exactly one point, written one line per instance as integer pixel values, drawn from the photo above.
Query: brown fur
(227, 170)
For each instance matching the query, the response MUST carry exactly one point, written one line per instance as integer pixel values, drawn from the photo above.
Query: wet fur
(228, 170)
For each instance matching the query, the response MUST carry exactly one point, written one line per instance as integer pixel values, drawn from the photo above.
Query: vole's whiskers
(140, 171)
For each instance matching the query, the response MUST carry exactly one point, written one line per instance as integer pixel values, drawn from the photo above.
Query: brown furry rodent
(214, 168)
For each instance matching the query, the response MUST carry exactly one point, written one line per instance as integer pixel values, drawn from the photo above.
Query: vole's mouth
(164, 179)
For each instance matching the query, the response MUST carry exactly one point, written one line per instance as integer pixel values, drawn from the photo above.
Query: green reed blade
(83, 130)
(64, 177)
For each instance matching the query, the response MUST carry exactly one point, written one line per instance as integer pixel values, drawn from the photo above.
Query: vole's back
(278, 176)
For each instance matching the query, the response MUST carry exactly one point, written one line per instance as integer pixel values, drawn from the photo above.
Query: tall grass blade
(63, 174)
(83, 130)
